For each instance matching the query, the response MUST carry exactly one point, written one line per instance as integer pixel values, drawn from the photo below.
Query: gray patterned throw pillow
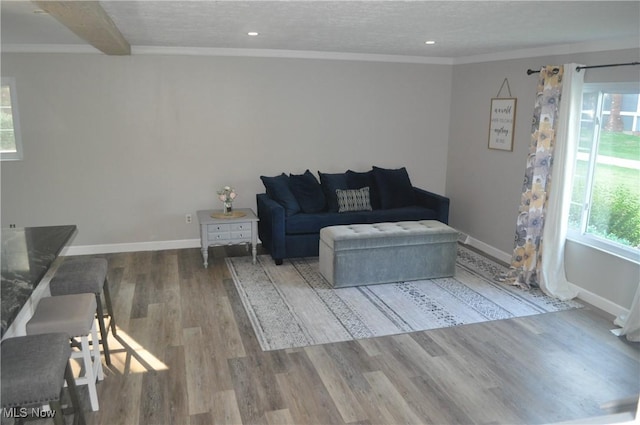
(353, 200)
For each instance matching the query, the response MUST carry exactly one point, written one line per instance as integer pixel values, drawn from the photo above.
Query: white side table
(231, 230)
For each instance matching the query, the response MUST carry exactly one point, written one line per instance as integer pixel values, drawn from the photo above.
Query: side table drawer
(241, 227)
(246, 235)
(219, 236)
(216, 228)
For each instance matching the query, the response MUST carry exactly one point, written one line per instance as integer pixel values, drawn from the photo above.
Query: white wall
(124, 147)
(485, 185)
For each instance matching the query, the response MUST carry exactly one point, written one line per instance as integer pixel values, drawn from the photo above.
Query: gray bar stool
(87, 275)
(75, 316)
(34, 369)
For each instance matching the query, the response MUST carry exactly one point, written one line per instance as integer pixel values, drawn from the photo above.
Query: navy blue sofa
(287, 230)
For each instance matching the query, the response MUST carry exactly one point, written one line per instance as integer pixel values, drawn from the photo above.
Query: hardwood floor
(185, 353)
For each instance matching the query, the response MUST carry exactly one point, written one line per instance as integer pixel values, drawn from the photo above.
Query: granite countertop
(27, 253)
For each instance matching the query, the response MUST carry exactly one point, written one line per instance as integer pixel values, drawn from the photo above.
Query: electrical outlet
(187, 218)
(12, 226)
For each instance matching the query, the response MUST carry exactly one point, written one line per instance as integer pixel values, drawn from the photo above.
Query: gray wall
(125, 146)
(485, 185)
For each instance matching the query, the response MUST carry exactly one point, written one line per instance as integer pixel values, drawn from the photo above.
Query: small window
(605, 202)
(10, 141)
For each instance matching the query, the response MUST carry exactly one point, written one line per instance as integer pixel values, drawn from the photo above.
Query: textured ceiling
(460, 28)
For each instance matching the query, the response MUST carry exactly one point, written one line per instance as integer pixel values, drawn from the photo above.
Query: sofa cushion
(394, 187)
(278, 189)
(356, 180)
(330, 183)
(308, 192)
(312, 223)
(401, 214)
(353, 199)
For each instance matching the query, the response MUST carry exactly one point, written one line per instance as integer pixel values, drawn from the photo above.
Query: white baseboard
(130, 247)
(488, 249)
(599, 302)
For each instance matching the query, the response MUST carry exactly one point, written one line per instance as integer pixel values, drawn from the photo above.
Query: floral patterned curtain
(527, 254)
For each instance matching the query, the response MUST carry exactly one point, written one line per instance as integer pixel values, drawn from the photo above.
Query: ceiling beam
(89, 21)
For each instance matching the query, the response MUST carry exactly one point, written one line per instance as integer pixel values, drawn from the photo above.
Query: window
(605, 201)
(10, 142)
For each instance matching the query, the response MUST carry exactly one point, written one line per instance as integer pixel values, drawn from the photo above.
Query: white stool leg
(89, 372)
(97, 360)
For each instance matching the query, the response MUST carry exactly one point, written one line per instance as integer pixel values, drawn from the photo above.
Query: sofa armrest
(271, 228)
(433, 201)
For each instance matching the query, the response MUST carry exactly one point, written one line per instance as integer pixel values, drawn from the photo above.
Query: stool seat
(79, 275)
(87, 275)
(33, 368)
(72, 314)
(75, 315)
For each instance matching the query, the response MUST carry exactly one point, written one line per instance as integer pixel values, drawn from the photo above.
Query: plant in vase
(227, 194)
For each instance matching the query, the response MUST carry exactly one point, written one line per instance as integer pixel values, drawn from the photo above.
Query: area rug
(292, 305)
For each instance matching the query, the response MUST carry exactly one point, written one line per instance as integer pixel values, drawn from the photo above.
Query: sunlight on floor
(127, 357)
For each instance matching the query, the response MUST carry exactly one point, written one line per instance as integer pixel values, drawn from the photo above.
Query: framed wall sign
(502, 123)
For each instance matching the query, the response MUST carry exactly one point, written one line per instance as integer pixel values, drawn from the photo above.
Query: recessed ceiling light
(429, 42)
(252, 33)
(40, 12)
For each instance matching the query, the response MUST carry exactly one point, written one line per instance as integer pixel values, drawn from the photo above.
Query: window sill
(10, 158)
(624, 253)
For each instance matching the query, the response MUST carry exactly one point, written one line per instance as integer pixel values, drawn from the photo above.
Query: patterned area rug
(292, 305)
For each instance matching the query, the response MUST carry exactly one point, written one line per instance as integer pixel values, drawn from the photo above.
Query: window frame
(580, 235)
(18, 155)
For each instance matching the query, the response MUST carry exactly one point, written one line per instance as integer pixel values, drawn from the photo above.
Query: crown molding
(561, 49)
(210, 51)
(49, 48)
(564, 49)
(287, 54)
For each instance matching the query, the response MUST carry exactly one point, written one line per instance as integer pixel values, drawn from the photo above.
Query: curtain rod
(531, 71)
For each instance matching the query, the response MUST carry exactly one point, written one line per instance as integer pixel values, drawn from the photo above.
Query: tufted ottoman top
(364, 236)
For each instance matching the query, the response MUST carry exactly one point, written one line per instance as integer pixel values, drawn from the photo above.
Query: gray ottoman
(365, 254)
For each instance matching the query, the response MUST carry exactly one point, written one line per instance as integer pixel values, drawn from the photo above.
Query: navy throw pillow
(394, 187)
(357, 180)
(278, 189)
(308, 192)
(330, 183)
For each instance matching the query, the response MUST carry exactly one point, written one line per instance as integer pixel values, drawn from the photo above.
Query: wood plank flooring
(186, 354)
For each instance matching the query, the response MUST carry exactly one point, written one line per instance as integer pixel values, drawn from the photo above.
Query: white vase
(227, 207)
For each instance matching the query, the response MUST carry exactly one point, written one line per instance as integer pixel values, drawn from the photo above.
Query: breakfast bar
(27, 254)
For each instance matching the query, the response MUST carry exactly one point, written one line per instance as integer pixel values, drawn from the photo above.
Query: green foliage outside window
(614, 212)
(616, 215)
